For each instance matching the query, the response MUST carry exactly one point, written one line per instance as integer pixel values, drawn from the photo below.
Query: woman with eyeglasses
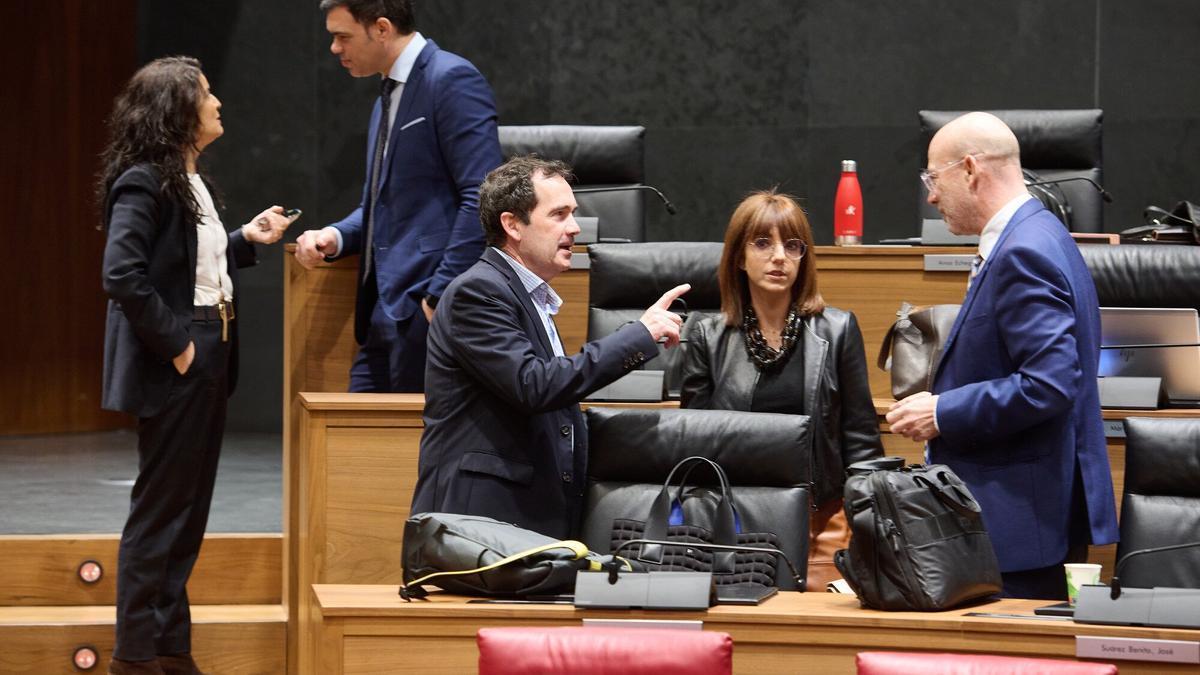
(775, 347)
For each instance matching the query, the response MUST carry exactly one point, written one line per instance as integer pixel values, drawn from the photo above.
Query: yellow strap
(575, 547)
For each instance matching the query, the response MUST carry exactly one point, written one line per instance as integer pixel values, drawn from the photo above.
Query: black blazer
(718, 374)
(503, 436)
(149, 274)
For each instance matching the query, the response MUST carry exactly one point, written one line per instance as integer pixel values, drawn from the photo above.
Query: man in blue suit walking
(1015, 409)
(431, 141)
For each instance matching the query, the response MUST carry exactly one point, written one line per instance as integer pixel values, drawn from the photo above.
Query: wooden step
(41, 570)
(236, 639)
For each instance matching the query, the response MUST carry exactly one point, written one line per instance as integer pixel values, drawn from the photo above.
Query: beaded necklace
(762, 353)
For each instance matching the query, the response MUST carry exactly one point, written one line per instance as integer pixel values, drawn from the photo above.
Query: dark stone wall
(734, 96)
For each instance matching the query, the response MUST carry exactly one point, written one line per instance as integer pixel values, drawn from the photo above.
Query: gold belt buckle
(225, 311)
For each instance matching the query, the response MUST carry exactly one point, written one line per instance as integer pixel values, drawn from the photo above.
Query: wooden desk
(366, 629)
(348, 483)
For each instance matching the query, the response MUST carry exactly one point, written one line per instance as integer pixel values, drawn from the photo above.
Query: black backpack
(917, 538)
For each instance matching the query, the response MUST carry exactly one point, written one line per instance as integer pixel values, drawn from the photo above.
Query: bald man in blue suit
(432, 140)
(1015, 410)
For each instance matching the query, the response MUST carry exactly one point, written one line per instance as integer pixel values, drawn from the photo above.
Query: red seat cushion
(599, 651)
(904, 663)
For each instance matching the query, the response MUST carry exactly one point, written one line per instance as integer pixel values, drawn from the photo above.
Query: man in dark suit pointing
(504, 437)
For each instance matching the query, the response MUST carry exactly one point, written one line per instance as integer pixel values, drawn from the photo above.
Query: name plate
(1114, 429)
(644, 623)
(948, 262)
(1130, 649)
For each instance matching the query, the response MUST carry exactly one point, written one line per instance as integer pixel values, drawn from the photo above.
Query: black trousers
(177, 466)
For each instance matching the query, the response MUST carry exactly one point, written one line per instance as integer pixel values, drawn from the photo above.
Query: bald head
(978, 133)
(977, 164)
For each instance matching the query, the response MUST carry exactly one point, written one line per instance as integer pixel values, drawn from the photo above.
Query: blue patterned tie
(381, 136)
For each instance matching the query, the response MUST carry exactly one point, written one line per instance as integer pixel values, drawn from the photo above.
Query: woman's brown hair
(155, 121)
(757, 216)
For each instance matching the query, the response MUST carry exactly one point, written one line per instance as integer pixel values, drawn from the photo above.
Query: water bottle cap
(849, 165)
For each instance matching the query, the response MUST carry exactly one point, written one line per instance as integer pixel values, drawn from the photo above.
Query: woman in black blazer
(777, 348)
(170, 271)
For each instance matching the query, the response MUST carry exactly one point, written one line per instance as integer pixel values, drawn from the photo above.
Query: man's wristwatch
(432, 301)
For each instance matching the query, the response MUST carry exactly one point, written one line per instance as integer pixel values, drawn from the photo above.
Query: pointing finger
(670, 296)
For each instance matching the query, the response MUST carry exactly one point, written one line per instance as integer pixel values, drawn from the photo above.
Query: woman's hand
(184, 361)
(267, 227)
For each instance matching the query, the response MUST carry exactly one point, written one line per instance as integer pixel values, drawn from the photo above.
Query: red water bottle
(847, 207)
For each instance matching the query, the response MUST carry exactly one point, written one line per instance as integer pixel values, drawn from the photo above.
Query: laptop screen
(1140, 332)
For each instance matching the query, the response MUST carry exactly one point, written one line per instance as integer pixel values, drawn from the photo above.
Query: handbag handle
(724, 530)
(885, 349)
(962, 503)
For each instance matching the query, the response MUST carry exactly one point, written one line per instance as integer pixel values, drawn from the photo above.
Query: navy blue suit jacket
(441, 146)
(1019, 410)
(504, 437)
(149, 273)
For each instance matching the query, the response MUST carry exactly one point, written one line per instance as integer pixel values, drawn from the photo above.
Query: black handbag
(917, 538)
(701, 515)
(913, 345)
(473, 555)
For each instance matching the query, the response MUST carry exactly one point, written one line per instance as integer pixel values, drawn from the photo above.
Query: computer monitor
(1146, 329)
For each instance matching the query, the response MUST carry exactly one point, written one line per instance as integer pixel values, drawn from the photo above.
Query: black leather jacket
(718, 374)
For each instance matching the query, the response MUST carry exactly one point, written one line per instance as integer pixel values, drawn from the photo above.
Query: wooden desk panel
(366, 628)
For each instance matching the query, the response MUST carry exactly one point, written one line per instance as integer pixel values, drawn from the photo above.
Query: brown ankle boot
(122, 667)
(178, 664)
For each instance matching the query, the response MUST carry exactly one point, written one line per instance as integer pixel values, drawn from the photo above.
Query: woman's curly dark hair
(155, 120)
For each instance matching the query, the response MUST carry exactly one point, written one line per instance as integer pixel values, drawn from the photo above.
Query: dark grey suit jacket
(504, 437)
(149, 274)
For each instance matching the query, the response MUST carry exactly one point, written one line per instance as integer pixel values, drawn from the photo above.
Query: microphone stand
(623, 188)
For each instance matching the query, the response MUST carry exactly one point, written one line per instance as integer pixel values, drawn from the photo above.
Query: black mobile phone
(292, 213)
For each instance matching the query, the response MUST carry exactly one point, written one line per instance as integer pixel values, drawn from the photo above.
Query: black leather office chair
(1145, 275)
(1161, 505)
(1055, 144)
(601, 156)
(767, 457)
(625, 279)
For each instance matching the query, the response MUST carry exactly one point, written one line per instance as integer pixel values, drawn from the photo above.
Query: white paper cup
(1080, 574)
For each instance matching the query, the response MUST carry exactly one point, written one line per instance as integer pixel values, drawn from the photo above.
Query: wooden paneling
(369, 629)
(66, 61)
(243, 640)
(232, 569)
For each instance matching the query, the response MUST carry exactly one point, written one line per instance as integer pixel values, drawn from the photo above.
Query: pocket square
(412, 123)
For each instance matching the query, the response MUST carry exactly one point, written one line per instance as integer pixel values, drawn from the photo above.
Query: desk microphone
(1103, 193)
(622, 188)
(1116, 582)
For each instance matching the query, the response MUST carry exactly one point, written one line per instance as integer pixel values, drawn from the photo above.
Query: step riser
(231, 570)
(235, 648)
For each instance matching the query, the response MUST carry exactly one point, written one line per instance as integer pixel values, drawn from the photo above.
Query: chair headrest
(1145, 275)
(1050, 139)
(636, 275)
(642, 445)
(1161, 456)
(597, 154)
